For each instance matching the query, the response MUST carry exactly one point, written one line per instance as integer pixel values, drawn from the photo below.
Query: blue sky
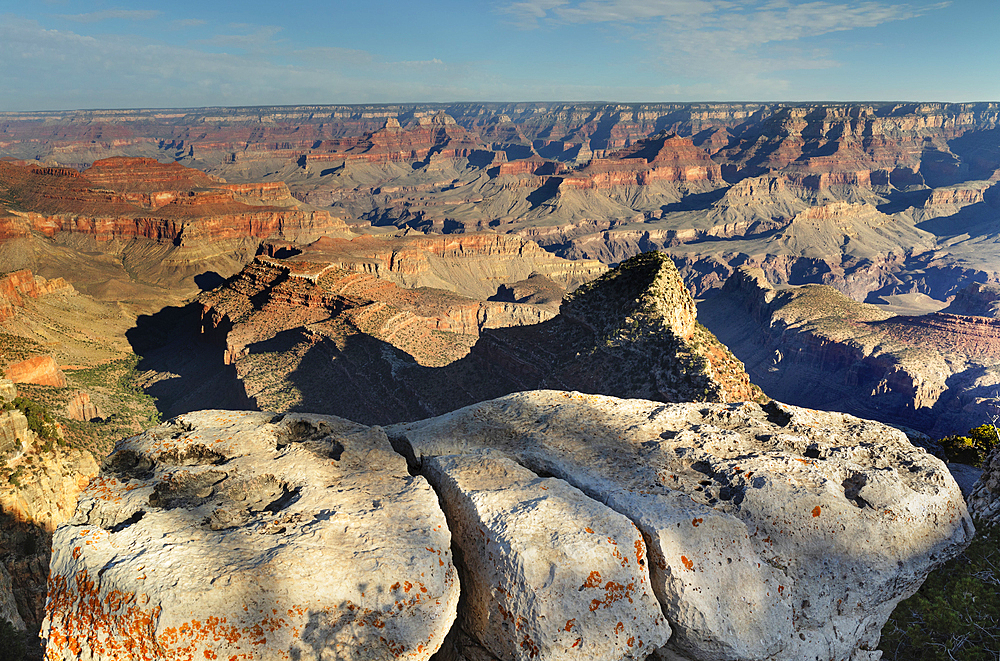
(65, 54)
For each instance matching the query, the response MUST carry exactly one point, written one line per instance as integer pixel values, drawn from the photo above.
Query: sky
(76, 54)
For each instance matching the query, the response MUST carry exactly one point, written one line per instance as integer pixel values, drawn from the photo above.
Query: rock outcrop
(17, 286)
(246, 535)
(984, 503)
(80, 407)
(578, 523)
(292, 329)
(41, 496)
(40, 370)
(8, 606)
(776, 532)
(14, 432)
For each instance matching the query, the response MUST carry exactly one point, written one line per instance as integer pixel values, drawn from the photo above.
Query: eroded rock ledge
(578, 524)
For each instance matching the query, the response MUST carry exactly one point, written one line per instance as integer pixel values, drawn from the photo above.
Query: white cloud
(187, 23)
(112, 14)
(742, 46)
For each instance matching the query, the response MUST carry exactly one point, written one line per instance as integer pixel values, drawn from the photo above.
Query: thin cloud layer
(112, 14)
(191, 54)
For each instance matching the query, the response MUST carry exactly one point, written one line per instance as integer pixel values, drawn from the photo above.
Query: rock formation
(17, 286)
(788, 512)
(984, 503)
(980, 300)
(140, 198)
(14, 432)
(42, 496)
(772, 532)
(813, 346)
(40, 370)
(81, 408)
(598, 180)
(306, 335)
(323, 542)
(8, 606)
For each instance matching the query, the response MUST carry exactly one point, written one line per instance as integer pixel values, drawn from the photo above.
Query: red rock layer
(40, 370)
(438, 135)
(14, 287)
(154, 201)
(662, 158)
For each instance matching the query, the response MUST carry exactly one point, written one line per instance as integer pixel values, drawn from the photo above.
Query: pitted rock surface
(773, 533)
(548, 572)
(252, 536)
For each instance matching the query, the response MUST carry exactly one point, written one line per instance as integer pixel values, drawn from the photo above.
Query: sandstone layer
(40, 370)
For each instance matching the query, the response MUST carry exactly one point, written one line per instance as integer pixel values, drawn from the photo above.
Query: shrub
(972, 448)
(955, 613)
(11, 642)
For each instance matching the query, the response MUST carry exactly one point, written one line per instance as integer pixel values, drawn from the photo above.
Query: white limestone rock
(8, 607)
(777, 533)
(548, 572)
(984, 501)
(243, 535)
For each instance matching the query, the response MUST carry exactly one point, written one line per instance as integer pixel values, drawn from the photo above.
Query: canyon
(392, 264)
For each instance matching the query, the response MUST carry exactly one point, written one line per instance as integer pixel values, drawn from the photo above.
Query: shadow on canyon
(25, 551)
(180, 367)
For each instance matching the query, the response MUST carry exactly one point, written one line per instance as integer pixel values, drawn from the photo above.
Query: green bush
(12, 645)
(955, 613)
(972, 448)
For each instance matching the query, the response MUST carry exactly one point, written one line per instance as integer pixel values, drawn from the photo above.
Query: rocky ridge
(835, 520)
(289, 326)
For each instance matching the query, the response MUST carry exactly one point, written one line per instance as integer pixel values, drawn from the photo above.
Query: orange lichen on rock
(111, 625)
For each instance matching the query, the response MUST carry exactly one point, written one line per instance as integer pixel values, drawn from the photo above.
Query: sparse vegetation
(126, 409)
(12, 647)
(956, 613)
(40, 420)
(973, 447)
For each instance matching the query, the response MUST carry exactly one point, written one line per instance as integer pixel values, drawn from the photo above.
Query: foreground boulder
(547, 571)
(246, 535)
(581, 525)
(772, 533)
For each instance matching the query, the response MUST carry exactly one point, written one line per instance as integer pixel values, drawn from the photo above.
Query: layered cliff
(141, 198)
(602, 181)
(814, 346)
(312, 335)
